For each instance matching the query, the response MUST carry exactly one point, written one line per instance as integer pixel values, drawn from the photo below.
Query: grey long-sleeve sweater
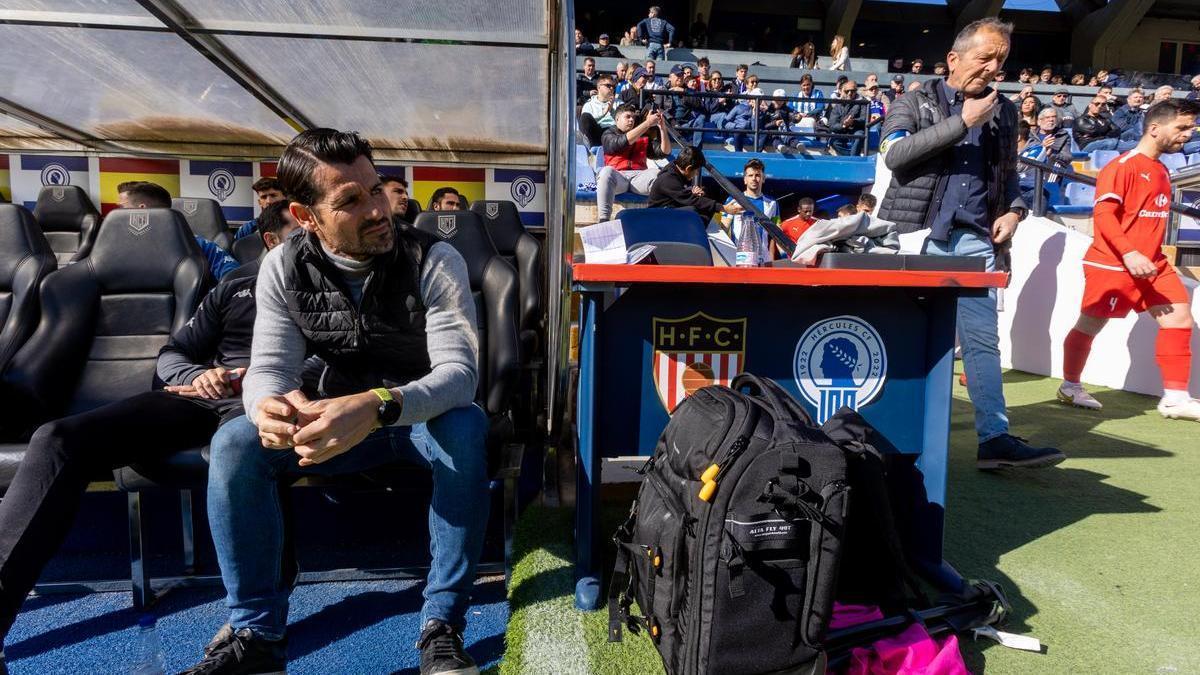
(277, 353)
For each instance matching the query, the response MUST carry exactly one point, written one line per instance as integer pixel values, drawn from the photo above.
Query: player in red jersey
(1125, 267)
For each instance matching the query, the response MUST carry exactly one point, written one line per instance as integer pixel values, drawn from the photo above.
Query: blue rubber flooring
(361, 627)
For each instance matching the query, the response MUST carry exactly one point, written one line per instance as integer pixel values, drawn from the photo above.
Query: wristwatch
(389, 408)
(1021, 212)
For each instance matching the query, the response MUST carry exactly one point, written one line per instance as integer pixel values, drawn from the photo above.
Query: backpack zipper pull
(714, 470)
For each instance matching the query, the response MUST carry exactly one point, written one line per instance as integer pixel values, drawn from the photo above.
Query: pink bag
(913, 652)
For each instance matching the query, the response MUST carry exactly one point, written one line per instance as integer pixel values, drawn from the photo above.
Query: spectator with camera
(627, 147)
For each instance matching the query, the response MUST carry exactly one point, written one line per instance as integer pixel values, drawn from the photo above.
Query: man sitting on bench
(199, 366)
(390, 312)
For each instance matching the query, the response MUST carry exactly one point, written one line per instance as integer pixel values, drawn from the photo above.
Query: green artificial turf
(1100, 556)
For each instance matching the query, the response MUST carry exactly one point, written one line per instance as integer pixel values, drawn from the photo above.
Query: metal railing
(756, 132)
(1042, 169)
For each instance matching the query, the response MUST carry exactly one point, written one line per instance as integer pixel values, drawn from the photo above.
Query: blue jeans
(655, 51)
(979, 336)
(246, 517)
(703, 122)
(1100, 144)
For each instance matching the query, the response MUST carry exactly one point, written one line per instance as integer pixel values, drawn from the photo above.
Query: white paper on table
(604, 243)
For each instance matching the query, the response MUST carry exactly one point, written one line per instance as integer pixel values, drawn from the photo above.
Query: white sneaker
(1188, 409)
(1077, 396)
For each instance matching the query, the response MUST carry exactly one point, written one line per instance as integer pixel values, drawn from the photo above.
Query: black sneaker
(241, 653)
(442, 651)
(1006, 451)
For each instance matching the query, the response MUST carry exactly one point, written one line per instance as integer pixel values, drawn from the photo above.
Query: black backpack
(732, 547)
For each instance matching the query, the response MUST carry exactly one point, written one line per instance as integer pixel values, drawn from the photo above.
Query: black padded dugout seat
(249, 248)
(25, 259)
(68, 219)
(205, 218)
(494, 288)
(524, 252)
(103, 322)
(104, 319)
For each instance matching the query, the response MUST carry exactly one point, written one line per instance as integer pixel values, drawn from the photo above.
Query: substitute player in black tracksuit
(197, 370)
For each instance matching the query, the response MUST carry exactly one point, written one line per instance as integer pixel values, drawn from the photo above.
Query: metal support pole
(143, 594)
(1039, 196)
(189, 531)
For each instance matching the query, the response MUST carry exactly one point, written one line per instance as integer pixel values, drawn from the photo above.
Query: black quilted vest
(380, 343)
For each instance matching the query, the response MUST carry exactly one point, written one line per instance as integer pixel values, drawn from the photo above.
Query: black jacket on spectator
(638, 99)
(707, 105)
(919, 136)
(1127, 118)
(608, 51)
(672, 191)
(585, 87)
(675, 106)
(836, 112)
(1090, 128)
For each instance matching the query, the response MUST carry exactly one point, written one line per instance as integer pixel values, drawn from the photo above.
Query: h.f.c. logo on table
(696, 351)
(839, 362)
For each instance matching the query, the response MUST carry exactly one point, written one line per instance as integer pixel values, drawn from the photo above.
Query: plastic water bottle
(149, 649)
(747, 245)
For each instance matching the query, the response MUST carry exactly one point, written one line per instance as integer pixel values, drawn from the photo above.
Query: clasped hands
(316, 430)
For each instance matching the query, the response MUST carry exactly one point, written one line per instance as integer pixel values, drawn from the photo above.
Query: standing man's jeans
(610, 183)
(656, 51)
(246, 516)
(979, 336)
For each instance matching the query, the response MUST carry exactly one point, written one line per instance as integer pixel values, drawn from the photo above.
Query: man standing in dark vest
(951, 145)
(391, 314)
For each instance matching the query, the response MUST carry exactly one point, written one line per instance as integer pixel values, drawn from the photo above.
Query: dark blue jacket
(220, 263)
(659, 31)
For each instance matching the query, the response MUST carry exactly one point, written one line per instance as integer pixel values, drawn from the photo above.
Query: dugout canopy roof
(434, 80)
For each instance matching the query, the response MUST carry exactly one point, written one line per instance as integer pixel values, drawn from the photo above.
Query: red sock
(1173, 353)
(1076, 348)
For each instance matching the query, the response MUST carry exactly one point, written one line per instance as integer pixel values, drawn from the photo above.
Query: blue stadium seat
(1080, 194)
(1079, 200)
(1102, 157)
(1174, 161)
(597, 153)
(678, 235)
(1193, 159)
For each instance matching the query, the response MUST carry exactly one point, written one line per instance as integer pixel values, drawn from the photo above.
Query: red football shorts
(1110, 294)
